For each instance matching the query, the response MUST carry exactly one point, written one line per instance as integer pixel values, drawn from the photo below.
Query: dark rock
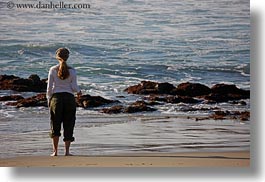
(148, 87)
(32, 84)
(192, 89)
(221, 95)
(11, 97)
(172, 99)
(228, 89)
(145, 87)
(35, 101)
(219, 115)
(113, 110)
(165, 88)
(35, 79)
(243, 116)
(41, 100)
(86, 101)
(156, 98)
(216, 98)
(138, 106)
(7, 77)
(184, 99)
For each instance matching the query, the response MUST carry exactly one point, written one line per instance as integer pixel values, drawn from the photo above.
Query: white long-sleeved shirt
(56, 85)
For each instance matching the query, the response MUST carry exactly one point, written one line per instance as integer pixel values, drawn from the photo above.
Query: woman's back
(57, 85)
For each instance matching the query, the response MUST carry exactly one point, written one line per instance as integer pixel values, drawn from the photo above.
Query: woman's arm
(49, 86)
(74, 84)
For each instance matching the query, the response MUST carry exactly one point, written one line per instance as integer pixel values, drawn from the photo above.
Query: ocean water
(115, 44)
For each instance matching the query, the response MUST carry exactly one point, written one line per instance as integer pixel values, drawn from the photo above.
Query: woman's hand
(49, 102)
(79, 94)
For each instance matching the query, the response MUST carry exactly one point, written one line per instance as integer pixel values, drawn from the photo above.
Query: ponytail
(62, 55)
(63, 71)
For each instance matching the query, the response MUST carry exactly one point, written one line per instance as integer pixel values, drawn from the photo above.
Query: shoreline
(193, 159)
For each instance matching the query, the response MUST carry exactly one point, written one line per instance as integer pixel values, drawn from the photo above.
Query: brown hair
(62, 55)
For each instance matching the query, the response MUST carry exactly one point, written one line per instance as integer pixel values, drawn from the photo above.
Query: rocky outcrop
(148, 87)
(31, 84)
(225, 93)
(113, 110)
(172, 99)
(35, 101)
(138, 106)
(192, 89)
(87, 101)
(11, 98)
(220, 115)
(183, 89)
(152, 93)
(185, 92)
(84, 101)
(228, 89)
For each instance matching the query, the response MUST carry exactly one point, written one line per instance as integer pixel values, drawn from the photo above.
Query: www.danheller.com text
(48, 5)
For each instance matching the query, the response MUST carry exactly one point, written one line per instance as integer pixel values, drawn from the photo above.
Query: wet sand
(207, 159)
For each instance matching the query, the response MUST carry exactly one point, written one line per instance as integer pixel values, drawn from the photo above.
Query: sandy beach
(208, 159)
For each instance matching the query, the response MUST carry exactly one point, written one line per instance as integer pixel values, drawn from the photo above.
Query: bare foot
(54, 154)
(68, 154)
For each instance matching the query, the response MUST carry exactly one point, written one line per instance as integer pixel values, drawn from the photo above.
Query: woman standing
(62, 84)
